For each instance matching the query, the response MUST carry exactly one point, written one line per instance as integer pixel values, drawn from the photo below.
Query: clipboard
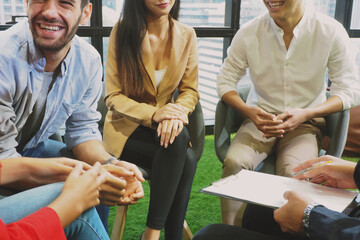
(268, 190)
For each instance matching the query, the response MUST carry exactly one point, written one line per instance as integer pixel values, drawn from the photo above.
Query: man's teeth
(49, 28)
(275, 4)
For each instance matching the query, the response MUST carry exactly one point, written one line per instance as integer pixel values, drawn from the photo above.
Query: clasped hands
(171, 120)
(277, 125)
(122, 185)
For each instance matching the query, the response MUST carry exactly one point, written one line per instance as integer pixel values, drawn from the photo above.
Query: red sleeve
(41, 225)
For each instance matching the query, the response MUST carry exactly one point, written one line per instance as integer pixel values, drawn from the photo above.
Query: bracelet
(306, 216)
(112, 158)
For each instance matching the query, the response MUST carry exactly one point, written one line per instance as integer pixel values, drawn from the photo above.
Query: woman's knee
(190, 162)
(183, 139)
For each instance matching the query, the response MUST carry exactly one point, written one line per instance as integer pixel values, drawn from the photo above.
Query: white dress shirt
(294, 78)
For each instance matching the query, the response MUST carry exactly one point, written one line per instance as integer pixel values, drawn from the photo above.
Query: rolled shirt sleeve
(8, 130)
(343, 72)
(82, 125)
(234, 66)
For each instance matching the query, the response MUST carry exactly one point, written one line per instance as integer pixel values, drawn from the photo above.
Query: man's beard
(59, 44)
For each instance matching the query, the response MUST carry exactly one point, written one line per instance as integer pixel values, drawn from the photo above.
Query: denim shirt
(72, 99)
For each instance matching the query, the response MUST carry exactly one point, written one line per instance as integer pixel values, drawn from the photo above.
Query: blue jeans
(52, 148)
(20, 205)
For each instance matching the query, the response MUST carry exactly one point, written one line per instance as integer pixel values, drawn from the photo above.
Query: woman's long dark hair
(130, 33)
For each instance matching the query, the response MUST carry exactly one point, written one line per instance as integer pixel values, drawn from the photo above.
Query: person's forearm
(233, 99)
(332, 105)
(13, 170)
(91, 151)
(16, 174)
(66, 210)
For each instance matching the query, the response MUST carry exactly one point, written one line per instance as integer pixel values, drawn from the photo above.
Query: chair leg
(119, 222)
(187, 234)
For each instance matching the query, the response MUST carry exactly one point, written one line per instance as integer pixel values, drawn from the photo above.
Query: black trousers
(261, 219)
(172, 172)
(258, 224)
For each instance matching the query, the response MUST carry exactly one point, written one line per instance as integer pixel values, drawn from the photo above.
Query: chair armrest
(337, 125)
(222, 130)
(196, 128)
(227, 121)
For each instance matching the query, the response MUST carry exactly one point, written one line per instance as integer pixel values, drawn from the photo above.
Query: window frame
(343, 13)
(97, 32)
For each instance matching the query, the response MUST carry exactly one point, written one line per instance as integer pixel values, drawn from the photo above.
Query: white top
(294, 78)
(159, 75)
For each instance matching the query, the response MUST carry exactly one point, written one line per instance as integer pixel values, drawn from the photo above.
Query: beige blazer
(126, 114)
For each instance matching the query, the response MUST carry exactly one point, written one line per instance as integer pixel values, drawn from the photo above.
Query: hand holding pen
(329, 171)
(318, 164)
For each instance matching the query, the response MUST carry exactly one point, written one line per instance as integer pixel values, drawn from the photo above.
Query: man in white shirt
(288, 51)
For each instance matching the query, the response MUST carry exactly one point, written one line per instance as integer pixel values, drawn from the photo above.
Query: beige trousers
(248, 149)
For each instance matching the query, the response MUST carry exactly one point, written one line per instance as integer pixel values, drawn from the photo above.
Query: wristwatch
(306, 216)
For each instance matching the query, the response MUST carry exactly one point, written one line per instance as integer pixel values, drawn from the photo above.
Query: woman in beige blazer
(151, 55)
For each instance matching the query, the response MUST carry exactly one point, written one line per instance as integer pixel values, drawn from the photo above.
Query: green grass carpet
(203, 209)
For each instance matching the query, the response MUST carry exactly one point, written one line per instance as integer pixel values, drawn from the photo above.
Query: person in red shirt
(79, 193)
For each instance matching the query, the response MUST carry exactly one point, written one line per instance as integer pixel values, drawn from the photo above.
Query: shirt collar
(66, 62)
(302, 22)
(35, 57)
(297, 28)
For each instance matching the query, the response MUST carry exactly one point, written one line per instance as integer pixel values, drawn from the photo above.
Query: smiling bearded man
(49, 78)
(53, 26)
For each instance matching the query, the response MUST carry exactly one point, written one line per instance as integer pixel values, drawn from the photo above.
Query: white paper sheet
(267, 190)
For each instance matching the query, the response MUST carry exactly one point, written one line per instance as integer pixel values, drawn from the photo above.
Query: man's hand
(133, 192)
(123, 184)
(292, 119)
(130, 167)
(339, 173)
(114, 187)
(291, 214)
(265, 122)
